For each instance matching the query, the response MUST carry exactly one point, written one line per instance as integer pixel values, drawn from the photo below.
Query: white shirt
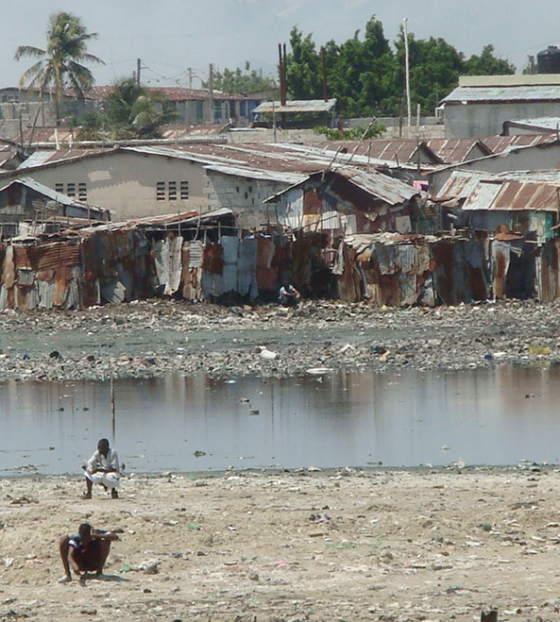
(98, 461)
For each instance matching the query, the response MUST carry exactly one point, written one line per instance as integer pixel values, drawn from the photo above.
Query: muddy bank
(342, 545)
(157, 337)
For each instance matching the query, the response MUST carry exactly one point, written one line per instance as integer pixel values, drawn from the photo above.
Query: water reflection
(495, 416)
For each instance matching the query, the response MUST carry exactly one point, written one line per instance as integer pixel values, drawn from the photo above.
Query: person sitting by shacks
(103, 469)
(288, 295)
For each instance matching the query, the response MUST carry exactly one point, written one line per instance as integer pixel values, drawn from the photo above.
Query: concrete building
(480, 105)
(150, 180)
(22, 109)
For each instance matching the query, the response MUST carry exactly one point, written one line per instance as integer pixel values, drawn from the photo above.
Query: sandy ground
(308, 546)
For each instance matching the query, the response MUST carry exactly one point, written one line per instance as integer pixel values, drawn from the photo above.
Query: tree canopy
(60, 65)
(242, 81)
(131, 111)
(367, 75)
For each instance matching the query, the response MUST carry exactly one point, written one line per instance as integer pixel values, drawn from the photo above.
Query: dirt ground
(301, 546)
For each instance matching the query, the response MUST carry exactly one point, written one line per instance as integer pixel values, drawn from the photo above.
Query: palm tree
(136, 112)
(60, 65)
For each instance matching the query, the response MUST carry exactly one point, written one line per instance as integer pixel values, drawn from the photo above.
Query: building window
(82, 192)
(184, 190)
(218, 108)
(172, 190)
(160, 191)
(199, 110)
(59, 188)
(71, 190)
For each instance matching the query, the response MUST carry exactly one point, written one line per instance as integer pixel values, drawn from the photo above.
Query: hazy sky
(172, 35)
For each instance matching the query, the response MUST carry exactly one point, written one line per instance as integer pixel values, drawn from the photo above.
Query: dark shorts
(88, 559)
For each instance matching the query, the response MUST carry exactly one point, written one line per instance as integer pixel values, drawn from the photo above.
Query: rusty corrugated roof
(396, 150)
(500, 144)
(454, 150)
(509, 195)
(283, 162)
(170, 93)
(392, 191)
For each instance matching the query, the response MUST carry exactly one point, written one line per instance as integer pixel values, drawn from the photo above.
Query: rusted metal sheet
(267, 276)
(501, 259)
(168, 257)
(412, 269)
(213, 262)
(247, 268)
(192, 271)
(548, 272)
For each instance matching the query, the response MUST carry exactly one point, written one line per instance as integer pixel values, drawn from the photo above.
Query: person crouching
(103, 469)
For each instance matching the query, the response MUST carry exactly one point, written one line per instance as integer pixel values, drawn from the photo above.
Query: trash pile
(152, 338)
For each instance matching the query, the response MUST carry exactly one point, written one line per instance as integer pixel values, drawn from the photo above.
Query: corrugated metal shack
(185, 256)
(402, 270)
(25, 203)
(348, 201)
(110, 263)
(519, 214)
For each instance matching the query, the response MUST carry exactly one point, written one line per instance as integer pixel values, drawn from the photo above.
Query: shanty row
(386, 221)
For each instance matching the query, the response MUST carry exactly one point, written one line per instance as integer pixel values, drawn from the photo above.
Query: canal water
(492, 416)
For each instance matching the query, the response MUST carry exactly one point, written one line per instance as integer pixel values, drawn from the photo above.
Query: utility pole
(324, 67)
(138, 68)
(211, 94)
(407, 74)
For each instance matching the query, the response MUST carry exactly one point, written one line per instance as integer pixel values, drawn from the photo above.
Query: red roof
(170, 93)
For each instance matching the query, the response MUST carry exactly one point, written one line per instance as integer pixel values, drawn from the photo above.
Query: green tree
(135, 112)
(60, 65)
(531, 66)
(367, 76)
(486, 64)
(238, 81)
(303, 67)
(435, 67)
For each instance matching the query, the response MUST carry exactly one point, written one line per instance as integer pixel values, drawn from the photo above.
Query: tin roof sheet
(501, 144)
(454, 150)
(474, 94)
(296, 106)
(383, 187)
(386, 188)
(402, 150)
(541, 123)
(459, 185)
(43, 157)
(513, 196)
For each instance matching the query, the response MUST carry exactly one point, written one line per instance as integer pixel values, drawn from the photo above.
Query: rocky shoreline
(160, 337)
(154, 338)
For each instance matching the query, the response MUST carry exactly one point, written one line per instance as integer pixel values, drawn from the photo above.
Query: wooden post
(113, 414)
